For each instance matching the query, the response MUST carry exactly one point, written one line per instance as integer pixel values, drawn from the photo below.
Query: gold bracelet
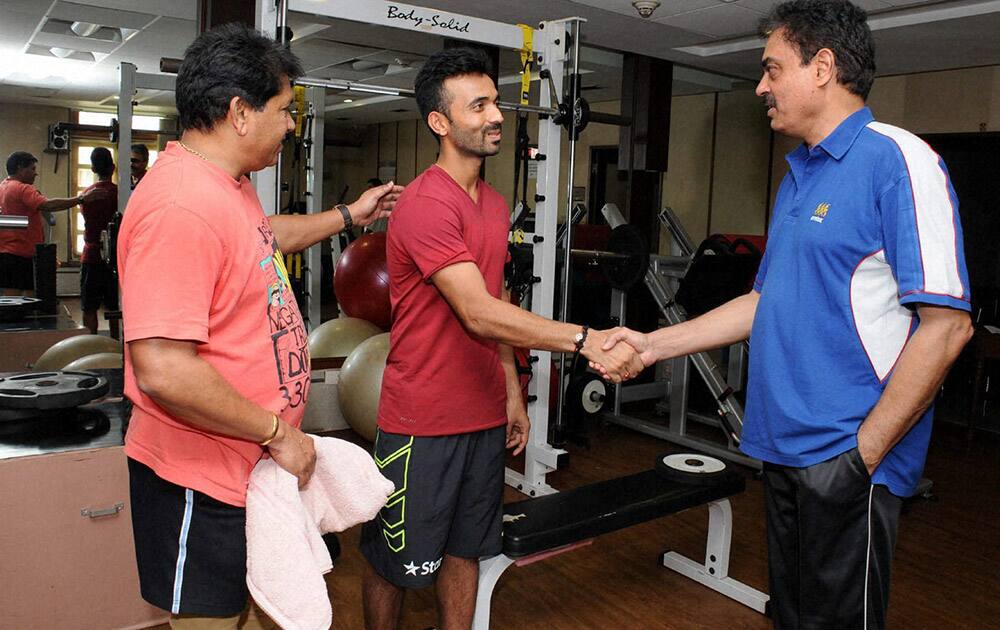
(274, 431)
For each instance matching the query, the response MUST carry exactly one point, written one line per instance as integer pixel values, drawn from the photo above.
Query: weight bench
(542, 527)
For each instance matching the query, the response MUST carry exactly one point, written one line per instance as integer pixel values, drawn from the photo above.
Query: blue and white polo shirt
(865, 227)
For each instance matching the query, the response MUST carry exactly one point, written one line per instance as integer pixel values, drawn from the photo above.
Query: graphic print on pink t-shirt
(288, 336)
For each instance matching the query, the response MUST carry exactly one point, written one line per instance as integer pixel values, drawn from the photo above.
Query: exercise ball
(97, 361)
(361, 385)
(68, 350)
(335, 339)
(361, 280)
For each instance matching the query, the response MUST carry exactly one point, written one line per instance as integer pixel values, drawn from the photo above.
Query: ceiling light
(646, 7)
(84, 29)
(348, 100)
(365, 64)
(62, 53)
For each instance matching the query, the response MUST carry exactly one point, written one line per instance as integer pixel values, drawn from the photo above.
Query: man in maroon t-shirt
(451, 396)
(97, 284)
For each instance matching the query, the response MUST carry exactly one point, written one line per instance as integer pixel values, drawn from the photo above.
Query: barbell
(623, 264)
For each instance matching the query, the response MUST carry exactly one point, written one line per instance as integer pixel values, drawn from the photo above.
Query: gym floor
(945, 574)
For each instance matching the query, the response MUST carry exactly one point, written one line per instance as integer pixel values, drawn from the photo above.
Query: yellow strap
(527, 56)
(299, 98)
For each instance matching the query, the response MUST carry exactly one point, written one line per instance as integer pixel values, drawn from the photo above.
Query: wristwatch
(79, 199)
(580, 338)
(346, 213)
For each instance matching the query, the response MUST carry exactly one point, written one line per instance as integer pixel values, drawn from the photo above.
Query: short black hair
(443, 65)
(812, 25)
(18, 160)
(101, 162)
(226, 61)
(142, 150)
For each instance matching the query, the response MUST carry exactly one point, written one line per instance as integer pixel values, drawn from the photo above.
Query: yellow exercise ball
(361, 385)
(336, 338)
(100, 360)
(70, 349)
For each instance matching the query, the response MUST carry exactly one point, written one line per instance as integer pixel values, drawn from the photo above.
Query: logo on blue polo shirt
(820, 212)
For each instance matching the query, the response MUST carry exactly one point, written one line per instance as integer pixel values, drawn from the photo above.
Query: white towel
(286, 555)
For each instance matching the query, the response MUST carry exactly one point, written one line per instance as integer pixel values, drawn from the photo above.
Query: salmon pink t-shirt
(198, 262)
(439, 378)
(18, 198)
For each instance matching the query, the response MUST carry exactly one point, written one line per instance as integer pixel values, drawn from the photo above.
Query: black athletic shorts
(17, 272)
(190, 548)
(448, 500)
(98, 286)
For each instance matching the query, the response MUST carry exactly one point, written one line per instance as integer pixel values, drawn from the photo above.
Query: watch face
(578, 337)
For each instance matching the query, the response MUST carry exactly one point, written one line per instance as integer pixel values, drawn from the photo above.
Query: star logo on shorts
(411, 569)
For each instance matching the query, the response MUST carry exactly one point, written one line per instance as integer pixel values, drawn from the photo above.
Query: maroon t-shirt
(439, 378)
(96, 215)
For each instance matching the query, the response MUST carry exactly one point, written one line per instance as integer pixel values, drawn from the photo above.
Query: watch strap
(582, 339)
(346, 213)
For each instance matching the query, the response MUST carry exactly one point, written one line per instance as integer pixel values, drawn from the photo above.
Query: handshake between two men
(618, 354)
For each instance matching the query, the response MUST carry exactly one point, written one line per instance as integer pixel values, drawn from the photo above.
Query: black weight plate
(581, 117)
(624, 273)
(18, 415)
(50, 390)
(16, 308)
(702, 473)
(92, 422)
(17, 300)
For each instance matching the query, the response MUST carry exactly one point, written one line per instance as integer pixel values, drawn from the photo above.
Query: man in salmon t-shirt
(18, 196)
(97, 284)
(216, 360)
(451, 396)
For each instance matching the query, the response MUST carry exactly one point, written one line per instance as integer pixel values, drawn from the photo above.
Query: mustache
(493, 128)
(769, 101)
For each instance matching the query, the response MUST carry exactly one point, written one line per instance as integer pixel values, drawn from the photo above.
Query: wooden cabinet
(61, 567)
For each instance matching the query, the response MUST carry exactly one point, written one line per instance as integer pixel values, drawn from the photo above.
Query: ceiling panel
(666, 9)
(719, 21)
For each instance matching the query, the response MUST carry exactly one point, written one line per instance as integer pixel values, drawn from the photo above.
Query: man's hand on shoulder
(294, 451)
(95, 194)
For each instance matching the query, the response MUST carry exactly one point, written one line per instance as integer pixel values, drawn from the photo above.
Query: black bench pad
(574, 515)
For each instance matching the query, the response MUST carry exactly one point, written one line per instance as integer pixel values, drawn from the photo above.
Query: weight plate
(581, 117)
(595, 392)
(690, 468)
(16, 308)
(17, 300)
(92, 422)
(585, 395)
(50, 390)
(624, 273)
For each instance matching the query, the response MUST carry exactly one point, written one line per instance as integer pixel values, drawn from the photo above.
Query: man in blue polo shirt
(858, 310)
